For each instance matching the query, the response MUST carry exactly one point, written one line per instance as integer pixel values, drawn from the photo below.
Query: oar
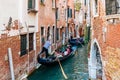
(81, 44)
(65, 76)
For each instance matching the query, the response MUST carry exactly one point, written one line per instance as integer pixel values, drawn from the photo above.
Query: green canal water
(76, 68)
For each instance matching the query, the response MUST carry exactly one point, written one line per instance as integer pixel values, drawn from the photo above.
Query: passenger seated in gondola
(66, 52)
(69, 47)
(57, 54)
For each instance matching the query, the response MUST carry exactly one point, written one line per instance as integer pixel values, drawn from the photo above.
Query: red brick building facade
(26, 45)
(105, 43)
(56, 21)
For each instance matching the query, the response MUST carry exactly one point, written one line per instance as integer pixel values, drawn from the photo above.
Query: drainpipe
(55, 24)
(67, 18)
(27, 44)
(11, 64)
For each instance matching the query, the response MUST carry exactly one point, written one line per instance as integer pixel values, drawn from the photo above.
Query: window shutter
(70, 13)
(42, 31)
(23, 45)
(29, 4)
(30, 41)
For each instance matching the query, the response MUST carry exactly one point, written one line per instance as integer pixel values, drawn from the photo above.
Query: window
(23, 46)
(112, 7)
(42, 1)
(42, 36)
(95, 7)
(57, 33)
(53, 3)
(31, 41)
(42, 40)
(69, 12)
(42, 31)
(31, 4)
(61, 31)
(85, 3)
(57, 14)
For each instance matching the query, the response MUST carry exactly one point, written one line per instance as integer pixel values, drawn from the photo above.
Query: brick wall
(110, 48)
(5, 43)
(20, 63)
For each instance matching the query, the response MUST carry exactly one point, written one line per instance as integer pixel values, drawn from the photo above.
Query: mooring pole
(11, 63)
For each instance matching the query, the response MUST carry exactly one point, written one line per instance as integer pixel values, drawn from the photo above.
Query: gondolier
(45, 47)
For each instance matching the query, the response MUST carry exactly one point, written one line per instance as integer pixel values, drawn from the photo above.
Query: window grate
(112, 7)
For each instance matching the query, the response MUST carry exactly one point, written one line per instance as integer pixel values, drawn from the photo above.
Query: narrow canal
(76, 68)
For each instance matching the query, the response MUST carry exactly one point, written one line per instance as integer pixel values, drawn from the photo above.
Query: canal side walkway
(76, 68)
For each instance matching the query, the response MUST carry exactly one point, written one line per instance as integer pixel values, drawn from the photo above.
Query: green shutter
(30, 41)
(57, 14)
(70, 13)
(29, 4)
(23, 45)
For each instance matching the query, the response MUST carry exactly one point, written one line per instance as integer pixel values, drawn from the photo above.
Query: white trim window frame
(53, 3)
(95, 8)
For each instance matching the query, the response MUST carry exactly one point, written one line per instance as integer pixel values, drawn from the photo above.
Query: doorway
(95, 62)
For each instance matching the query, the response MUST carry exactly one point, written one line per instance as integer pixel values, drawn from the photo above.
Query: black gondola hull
(52, 62)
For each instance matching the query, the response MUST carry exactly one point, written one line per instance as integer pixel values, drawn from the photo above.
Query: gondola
(52, 61)
(76, 41)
